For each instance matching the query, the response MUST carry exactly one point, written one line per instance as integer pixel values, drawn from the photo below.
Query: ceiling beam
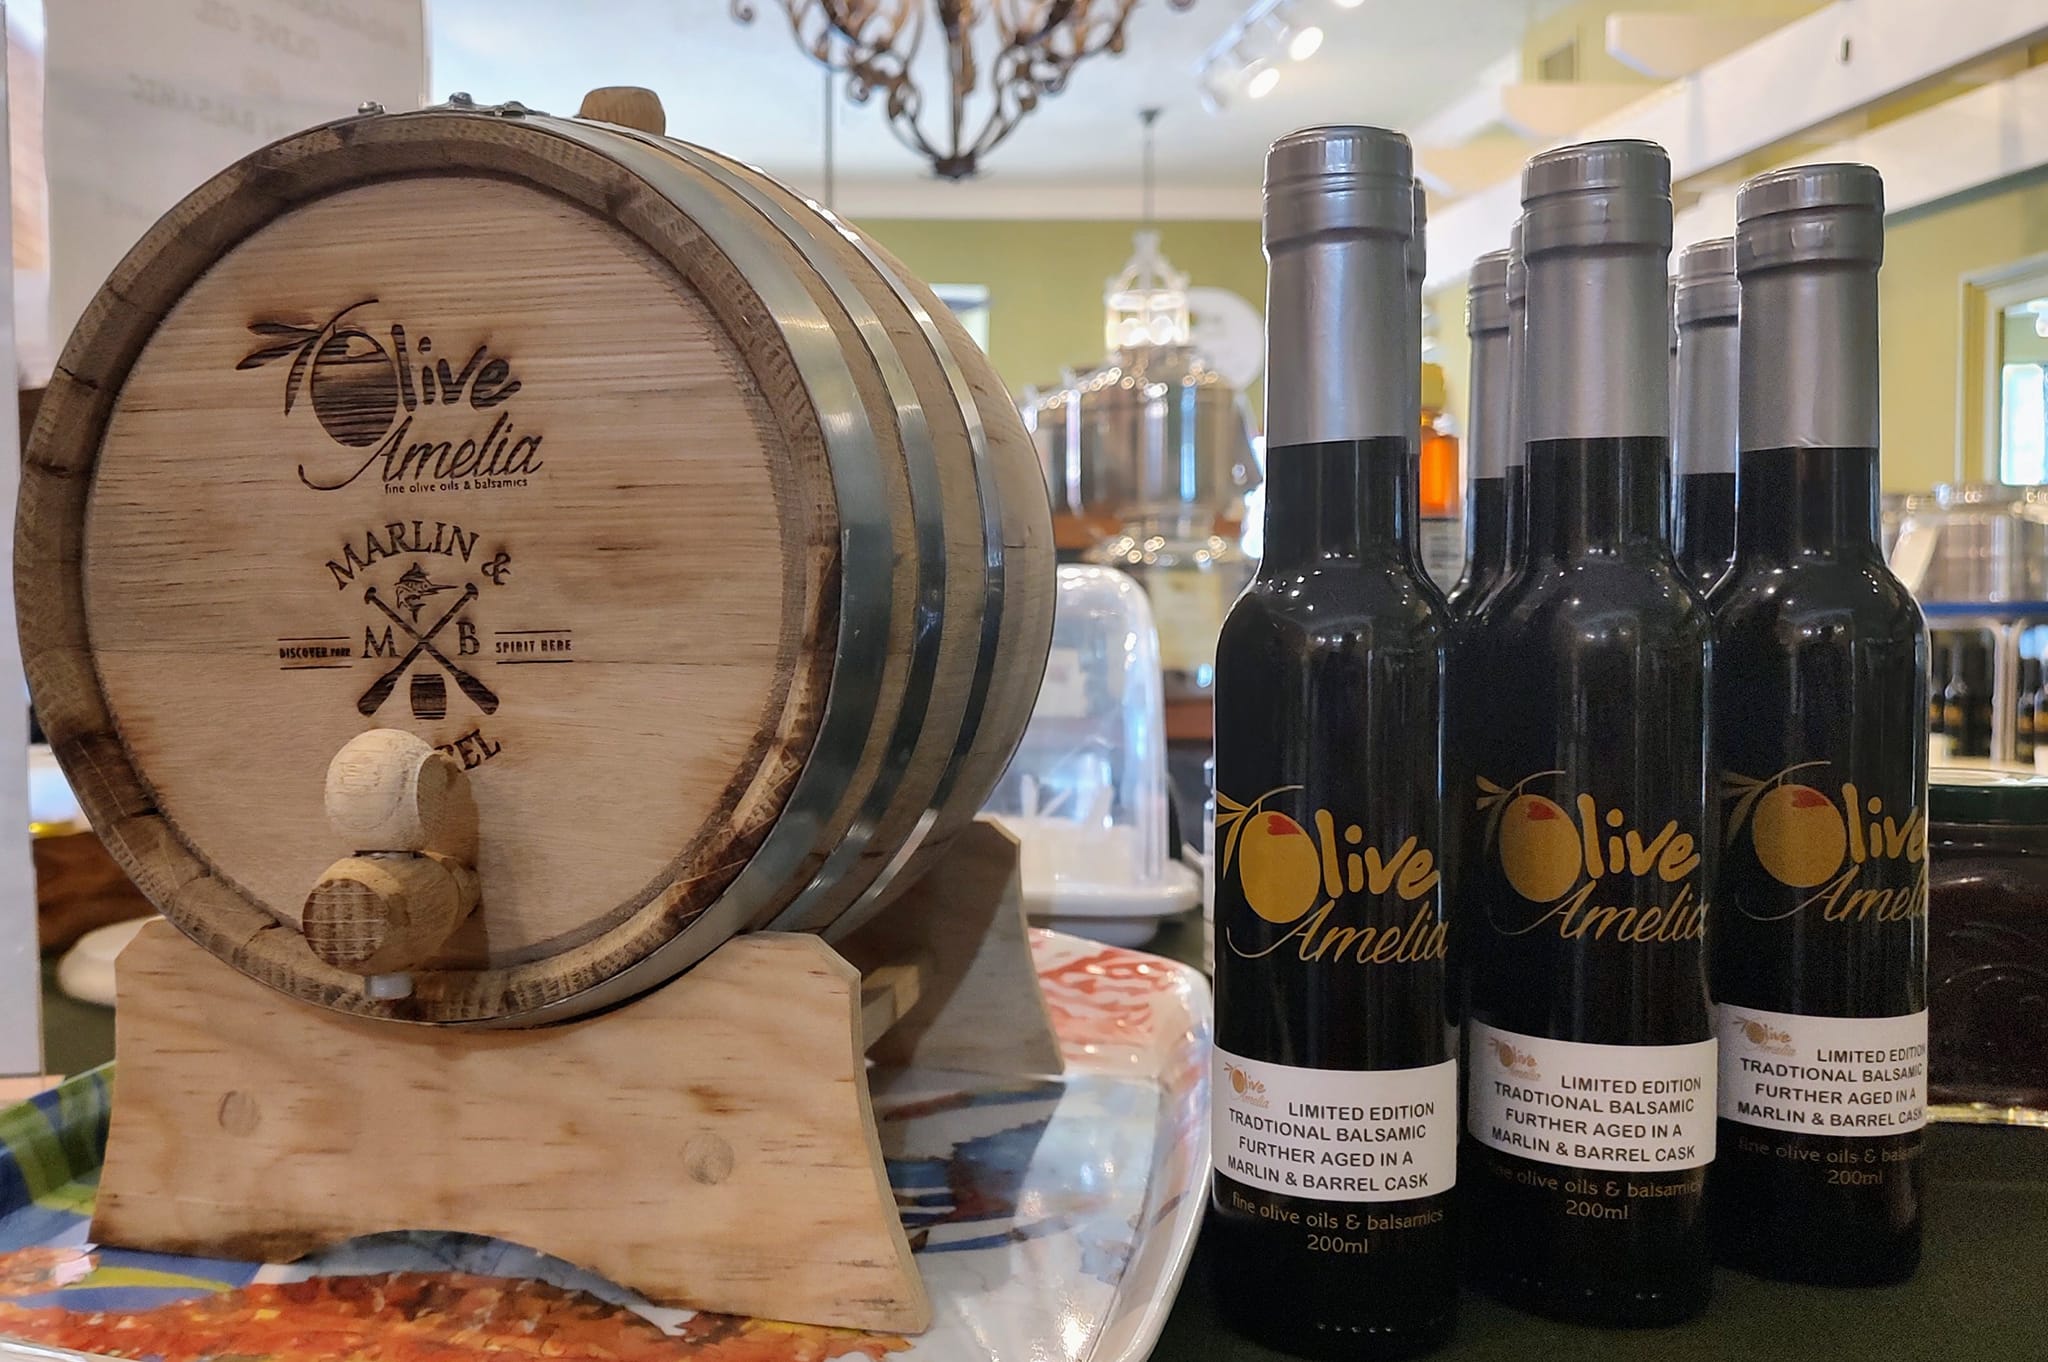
(1831, 63)
(1989, 134)
(1667, 46)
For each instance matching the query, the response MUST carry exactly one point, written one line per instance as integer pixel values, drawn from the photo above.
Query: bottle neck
(1330, 375)
(1343, 500)
(1602, 498)
(1809, 357)
(1807, 503)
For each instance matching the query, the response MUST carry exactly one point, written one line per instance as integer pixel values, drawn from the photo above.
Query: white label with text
(1824, 1075)
(1627, 1108)
(1336, 1134)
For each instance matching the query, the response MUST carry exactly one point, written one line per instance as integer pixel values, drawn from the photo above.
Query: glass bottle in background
(1486, 510)
(1941, 744)
(2026, 709)
(1332, 1032)
(1705, 304)
(1956, 700)
(1818, 709)
(1966, 702)
(1579, 710)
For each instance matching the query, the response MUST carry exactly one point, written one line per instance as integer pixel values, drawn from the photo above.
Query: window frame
(1986, 294)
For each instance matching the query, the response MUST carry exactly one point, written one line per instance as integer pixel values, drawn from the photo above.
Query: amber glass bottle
(1335, 1106)
(1488, 436)
(1579, 716)
(1819, 708)
(1703, 419)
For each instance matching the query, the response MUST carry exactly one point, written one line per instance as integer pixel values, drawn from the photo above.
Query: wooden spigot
(387, 909)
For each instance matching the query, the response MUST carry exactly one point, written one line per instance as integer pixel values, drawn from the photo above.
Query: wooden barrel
(673, 508)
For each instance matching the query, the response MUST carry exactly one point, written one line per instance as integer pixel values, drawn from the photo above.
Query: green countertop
(1982, 1289)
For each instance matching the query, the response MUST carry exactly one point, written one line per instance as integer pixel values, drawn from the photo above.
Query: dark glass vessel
(1584, 828)
(1819, 708)
(1335, 1108)
(1705, 305)
(1486, 506)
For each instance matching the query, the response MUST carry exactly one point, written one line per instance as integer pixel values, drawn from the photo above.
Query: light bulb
(1349, 4)
(1304, 43)
(1262, 82)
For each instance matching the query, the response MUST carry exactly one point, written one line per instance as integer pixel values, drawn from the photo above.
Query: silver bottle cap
(1705, 288)
(1596, 232)
(1811, 214)
(1703, 398)
(1417, 257)
(1339, 215)
(1335, 179)
(1490, 405)
(1486, 294)
(1808, 243)
(1615, 193)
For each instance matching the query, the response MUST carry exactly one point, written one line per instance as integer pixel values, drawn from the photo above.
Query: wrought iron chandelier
(1036, 46)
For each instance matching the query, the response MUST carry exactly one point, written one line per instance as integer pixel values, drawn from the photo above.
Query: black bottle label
(1316, 902)
(1809, 849)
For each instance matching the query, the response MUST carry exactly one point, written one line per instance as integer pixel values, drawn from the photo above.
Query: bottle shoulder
(1593, 599)
(1345, 591)
(1857, 598)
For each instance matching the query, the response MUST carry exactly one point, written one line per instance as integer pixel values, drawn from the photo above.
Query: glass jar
(1988, 947)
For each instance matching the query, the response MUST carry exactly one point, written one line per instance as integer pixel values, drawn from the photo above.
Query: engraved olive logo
(355, 388)
(1539, 848)
(351, 378)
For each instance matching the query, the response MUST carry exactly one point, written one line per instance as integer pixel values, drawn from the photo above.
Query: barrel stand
(708, 1145)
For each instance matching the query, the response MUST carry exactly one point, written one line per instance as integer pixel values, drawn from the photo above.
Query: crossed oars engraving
(380, 689)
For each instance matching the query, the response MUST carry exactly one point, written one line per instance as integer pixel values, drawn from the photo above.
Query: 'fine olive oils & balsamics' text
(1335, 1108)
(1582, 813)
(1819, 708)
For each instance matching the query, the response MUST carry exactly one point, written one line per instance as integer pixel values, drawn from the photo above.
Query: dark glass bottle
(1819, 713)
(1488, 438)
(1955, 700)
(1966, 701)
(2026, 709)
(1584, 824)
(1703, 424)
(1941, 659)
(1335, 1107)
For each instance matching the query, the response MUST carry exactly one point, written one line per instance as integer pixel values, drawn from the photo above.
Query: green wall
(1920, 311)
(1045, 278)
(1045, 291)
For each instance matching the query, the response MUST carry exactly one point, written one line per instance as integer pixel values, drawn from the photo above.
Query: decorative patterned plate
(1052, 1218)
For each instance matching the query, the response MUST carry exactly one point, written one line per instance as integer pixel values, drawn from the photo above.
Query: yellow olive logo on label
(1293, 877)
(1560, 855)
(1866, 862)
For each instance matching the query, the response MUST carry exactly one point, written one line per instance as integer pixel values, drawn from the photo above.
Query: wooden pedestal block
(709, 1145)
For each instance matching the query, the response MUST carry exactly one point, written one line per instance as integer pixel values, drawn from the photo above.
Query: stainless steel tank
(1977, 542)
(1155, 428)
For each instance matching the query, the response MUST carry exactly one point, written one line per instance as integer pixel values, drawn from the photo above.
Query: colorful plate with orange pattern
(1052, 1220)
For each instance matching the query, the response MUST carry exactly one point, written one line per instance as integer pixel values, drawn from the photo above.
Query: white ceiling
(750, 92)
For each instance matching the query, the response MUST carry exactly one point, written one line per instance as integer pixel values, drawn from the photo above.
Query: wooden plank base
(709, 1145)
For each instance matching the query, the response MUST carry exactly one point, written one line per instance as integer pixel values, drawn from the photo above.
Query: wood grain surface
(710, 1145)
